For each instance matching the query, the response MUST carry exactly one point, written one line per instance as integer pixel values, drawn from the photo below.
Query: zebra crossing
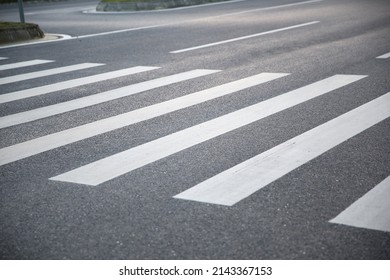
(226, 188)
(23, 64)
(45, 73)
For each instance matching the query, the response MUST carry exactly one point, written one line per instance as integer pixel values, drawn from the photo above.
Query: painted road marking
(386, 55)
(113, 166)
(245, 37)
(49, 72)
(372, 211)
(67, 37)
(244, 179)
(65, 137)
(93, 11)
(24, 64)
(99, 98)
(17, 95)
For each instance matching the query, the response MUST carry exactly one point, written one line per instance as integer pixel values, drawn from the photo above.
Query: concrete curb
(14, 34)
(152, 5)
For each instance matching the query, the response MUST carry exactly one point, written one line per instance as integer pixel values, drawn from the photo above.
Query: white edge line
(117, 31)
(268, 8)
(244, 37)
(161, 10)
(61, 37)
(386, 55)
(64, 37)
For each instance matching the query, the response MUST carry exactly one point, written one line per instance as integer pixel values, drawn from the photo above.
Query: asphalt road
(267, 169)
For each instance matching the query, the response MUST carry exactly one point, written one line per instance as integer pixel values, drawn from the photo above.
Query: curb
(152, 5)
(22, 33)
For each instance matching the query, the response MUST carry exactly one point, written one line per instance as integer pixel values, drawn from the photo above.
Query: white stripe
(268, 8)
(49, 38)
(23, 64)
(59, 139)
(17, 95)
(44, 73)
(244, 37)
(108, 168)
(2, 58)
(244, 179)
(386, 55)
(99, 98)
(372, 211)
(116, 31)
(66, 37)
(93, 11)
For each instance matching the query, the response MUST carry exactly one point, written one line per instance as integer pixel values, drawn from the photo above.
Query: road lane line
(31, 92)
(244, 37)
(83, 102)
(372, 211)
(93, 11)
(2, 58)
(116, 31)
(264, 9)
(67, 37)
(44, 73)
(23, 64)
(386, 55)
(65, 137)
(113, 166)
(233, 185)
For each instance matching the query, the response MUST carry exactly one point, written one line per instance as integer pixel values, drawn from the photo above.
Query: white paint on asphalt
(23, 64)
(386, 55)
(49, 38)
(244, 179)
(31, 92)
(93, 11)
(244, 37)
(45, 73)
(99, 98)
(113, 166)
(372, 211)
(267, 8)
(61, 10)
(62, 138)
(116, 31)
(67, 37)
(2, 58)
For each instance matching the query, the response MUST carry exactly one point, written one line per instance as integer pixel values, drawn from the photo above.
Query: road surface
(242, 130)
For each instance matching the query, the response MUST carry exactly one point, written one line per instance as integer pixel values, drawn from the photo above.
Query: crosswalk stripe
(23, 64)
(386, 55)
(244, 179)
(31, 92)
(372, 211)
(113, 166)
(99, 98)
(65, 137)
(44, 73)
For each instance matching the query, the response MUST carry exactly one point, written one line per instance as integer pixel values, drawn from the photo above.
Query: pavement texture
(149, 5)
(134, 216)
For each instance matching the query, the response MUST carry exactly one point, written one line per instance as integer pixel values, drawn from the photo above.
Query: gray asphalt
(134, 216)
